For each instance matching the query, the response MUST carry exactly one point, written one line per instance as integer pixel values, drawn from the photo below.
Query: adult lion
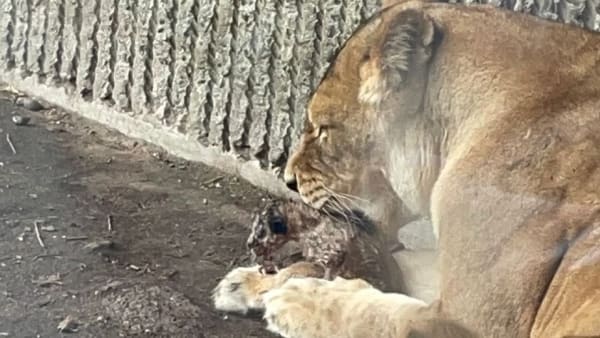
(487, 121)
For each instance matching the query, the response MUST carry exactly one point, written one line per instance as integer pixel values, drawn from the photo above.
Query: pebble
(20, 120)
(48, 228)
(205, 201)
(29, 103)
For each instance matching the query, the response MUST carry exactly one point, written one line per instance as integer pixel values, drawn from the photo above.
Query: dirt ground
(177, 227)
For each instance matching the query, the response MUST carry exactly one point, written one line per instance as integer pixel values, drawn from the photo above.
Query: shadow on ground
(177, 228)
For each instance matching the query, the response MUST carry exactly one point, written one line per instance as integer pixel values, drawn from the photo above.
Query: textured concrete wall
(224, 82)
(200, 77)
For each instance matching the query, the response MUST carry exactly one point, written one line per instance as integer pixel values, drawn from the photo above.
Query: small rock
(204, 201)
(68, 325)
(218, 185)
(34, 196)
(20, 120)
(48, 228)
(29, 103)
(134, 267)
(44, 301)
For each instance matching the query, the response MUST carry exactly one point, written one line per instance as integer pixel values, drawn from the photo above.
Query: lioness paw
(290, 309)
(308, 307)
(239, 291)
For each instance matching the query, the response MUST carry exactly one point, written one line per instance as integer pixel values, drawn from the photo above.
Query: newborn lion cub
(346, 245)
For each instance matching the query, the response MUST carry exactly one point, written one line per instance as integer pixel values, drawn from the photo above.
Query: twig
(12, 146)
(76, 238)
(213, 180)
(35, 258)
(109, 222)
(37, 234)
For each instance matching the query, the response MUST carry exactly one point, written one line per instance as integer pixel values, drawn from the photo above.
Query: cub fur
(345, 244)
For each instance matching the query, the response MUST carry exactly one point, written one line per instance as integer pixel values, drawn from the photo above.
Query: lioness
(487, 121)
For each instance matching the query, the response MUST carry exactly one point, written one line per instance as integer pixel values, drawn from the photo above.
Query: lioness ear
(406, 44)
(405, 48)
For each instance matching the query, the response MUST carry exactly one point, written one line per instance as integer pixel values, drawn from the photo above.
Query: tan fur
(305, 307)
(487, 121)
(242, 289)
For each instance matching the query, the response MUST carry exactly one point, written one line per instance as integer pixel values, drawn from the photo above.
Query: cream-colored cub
(296, 306)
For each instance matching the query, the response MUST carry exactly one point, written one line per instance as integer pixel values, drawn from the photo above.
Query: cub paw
(239, 291)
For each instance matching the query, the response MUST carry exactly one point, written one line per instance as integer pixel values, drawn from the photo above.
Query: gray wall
(223, 82)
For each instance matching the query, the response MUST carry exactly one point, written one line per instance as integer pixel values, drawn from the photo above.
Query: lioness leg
(498, 252)
(317, 308)
(571, 306)
(242, 289)
(352, 308)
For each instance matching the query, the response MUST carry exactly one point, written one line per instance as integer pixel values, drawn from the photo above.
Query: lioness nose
(292, 184)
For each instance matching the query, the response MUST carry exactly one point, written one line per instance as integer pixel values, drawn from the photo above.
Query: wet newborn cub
(346, 245)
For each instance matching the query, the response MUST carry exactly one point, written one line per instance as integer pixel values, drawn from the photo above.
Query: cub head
(380, 74)
(269, 230)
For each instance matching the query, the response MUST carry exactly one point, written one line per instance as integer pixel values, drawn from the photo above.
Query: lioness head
(340, 145)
